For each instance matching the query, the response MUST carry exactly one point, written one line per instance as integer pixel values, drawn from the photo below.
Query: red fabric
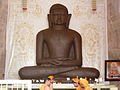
(24, 8)
(93, 9)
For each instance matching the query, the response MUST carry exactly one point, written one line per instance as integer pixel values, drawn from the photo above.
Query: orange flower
(51, 77)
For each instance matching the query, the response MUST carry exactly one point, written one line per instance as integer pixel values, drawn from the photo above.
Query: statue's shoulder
(42, 31)
(74, 32)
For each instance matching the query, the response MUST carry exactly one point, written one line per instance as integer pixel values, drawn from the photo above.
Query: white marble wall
(23, 27)
(114, 29)
(113, 19)
(3, 23)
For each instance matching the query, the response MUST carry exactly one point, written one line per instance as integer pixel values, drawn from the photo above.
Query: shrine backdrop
(23, 25)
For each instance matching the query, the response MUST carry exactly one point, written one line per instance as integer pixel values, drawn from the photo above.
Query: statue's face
(59, 17)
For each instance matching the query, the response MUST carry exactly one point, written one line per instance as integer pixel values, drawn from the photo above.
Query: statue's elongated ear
(49, 20)
(68, 20)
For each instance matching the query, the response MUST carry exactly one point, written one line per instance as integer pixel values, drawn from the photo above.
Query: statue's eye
(54, 14)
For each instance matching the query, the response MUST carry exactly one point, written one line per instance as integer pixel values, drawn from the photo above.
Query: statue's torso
(59, 42)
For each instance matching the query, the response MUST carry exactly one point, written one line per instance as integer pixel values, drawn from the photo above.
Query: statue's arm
(39, 49)
(78, 52)
(78, 49)
(39, 46)
(39, 52)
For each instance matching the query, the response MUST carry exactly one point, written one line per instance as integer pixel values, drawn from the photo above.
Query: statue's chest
(59, 38)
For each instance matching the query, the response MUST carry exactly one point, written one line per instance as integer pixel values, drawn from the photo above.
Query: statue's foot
(82, 72)
(38, 72)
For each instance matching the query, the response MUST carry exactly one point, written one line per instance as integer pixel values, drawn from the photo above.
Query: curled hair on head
(58, 6)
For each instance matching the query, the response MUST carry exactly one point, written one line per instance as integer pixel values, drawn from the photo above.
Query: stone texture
(113, 29)
(3, 23)
(113, 19)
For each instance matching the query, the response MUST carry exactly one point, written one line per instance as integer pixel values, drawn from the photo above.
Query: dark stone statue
(58, 50)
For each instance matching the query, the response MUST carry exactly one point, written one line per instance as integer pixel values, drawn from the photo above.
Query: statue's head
(59, 15)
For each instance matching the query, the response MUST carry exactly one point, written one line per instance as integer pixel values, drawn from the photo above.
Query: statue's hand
(56, 62)
(63, 59)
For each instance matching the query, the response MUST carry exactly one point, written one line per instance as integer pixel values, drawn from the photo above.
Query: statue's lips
(59, 21)
(59, 24)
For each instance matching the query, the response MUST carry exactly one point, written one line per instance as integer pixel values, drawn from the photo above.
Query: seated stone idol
(58, 50)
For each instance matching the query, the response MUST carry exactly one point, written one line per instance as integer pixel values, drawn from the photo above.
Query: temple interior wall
(3, 23)
(113, 29)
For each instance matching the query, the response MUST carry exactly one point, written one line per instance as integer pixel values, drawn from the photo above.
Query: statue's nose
(59, 16)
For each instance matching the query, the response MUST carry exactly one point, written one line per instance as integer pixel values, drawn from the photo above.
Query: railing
(15, 85)
(27, 85)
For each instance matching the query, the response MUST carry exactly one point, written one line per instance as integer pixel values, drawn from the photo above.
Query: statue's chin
(60, 24)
